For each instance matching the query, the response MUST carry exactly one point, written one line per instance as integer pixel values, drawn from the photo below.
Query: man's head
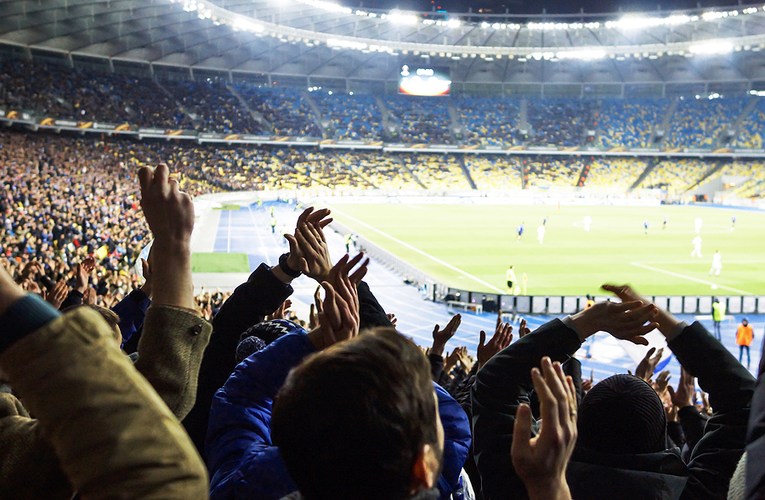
(622, 415)
(745, 322)
(360, 420)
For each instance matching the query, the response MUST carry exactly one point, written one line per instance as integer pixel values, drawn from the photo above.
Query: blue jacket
(242, 460)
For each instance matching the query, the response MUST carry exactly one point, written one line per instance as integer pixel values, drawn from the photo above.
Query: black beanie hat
(622, 415)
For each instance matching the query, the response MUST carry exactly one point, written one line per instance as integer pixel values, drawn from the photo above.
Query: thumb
(482, 337)
(435, 330)
(292, 241)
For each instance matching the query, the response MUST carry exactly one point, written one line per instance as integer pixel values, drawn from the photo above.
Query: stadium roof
(318, 39)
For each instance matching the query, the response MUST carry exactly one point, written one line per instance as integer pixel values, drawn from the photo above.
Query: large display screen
(425, 81)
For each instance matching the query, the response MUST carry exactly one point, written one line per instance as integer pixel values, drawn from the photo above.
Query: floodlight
(711, 47)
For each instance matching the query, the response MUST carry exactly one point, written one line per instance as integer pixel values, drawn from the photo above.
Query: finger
(330, 310)
(316, 216)
(481, 338)
(639, 340)
(292, 242)
(649, 353)
(571, 388)
(360, 272)
(548, 406)
(145, 175)
(303, 216)
(436, 329)
(521, 447)
(324, 223)
(352, 263)
(556, 380)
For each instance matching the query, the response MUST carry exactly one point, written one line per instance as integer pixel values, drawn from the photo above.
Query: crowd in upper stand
(211, 105)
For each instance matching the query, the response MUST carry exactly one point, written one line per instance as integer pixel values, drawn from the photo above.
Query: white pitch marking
(689, 278)
(424, 254)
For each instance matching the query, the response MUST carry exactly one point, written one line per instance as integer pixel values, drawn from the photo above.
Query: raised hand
(339, 319)
(89, 297)
(648, 364)
(309, 252)
(664, 321)
(441, 337)
(523, 329)
(625, 321)
(316, 309)
(281, 311)
(541, 461)
(686, 389)
(662, 382)
(10, 291)
(503, 335)
(82, 273)
(168, 211)
(170, 215)
(58, 294)
(30, 270)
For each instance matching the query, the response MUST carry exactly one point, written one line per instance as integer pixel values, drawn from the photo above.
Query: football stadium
(202, 166)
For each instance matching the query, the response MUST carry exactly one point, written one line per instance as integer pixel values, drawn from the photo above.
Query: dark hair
(351, 421)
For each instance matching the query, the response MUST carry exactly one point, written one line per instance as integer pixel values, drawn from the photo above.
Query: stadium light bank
(206, 10)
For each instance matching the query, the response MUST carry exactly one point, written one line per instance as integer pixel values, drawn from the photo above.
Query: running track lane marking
(689, 278)
(423, 253)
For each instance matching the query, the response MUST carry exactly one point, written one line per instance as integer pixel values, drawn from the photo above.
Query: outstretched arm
(106, 424)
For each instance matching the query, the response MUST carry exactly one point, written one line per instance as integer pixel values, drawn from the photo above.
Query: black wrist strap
(286, 269)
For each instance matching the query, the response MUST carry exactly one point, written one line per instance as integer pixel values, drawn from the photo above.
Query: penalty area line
(689, 278)
(421, 252)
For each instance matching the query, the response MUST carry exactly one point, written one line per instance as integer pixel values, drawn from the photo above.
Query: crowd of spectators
(489, 121)
(701, 123)
(495, 172)
(560, 122)
(349, 116)
(615, 174)
(629, 123)
(420, 120)
(547, 171)
(677, 175)
(211, 105)
(286, 109)
(161, 394)
(59, 92)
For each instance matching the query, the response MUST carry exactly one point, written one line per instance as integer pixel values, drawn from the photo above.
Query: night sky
(524, 7)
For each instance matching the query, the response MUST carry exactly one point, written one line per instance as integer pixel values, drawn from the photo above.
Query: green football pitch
(470, 246)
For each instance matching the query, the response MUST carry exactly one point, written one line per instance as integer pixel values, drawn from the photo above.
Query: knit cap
(258, 336)
(622, 415)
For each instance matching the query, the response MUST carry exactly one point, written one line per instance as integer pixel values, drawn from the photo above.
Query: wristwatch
(286, 269)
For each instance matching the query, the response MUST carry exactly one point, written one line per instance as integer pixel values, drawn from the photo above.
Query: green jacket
(147, 452)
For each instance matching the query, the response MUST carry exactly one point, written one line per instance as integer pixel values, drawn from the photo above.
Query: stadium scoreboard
(424, 81)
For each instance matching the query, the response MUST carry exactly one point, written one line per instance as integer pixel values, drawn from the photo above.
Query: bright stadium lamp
(711, 47)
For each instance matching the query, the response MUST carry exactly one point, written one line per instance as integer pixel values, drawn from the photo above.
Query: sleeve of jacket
(73, 298)
(114, 436)
(248, 305)
(501, 385)
(132, 312)
(240, 455)
(730, 387)
(456, 441)
(371, 313)
(29, 466)
(170, 353)
(693, 423)
(755, 448)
